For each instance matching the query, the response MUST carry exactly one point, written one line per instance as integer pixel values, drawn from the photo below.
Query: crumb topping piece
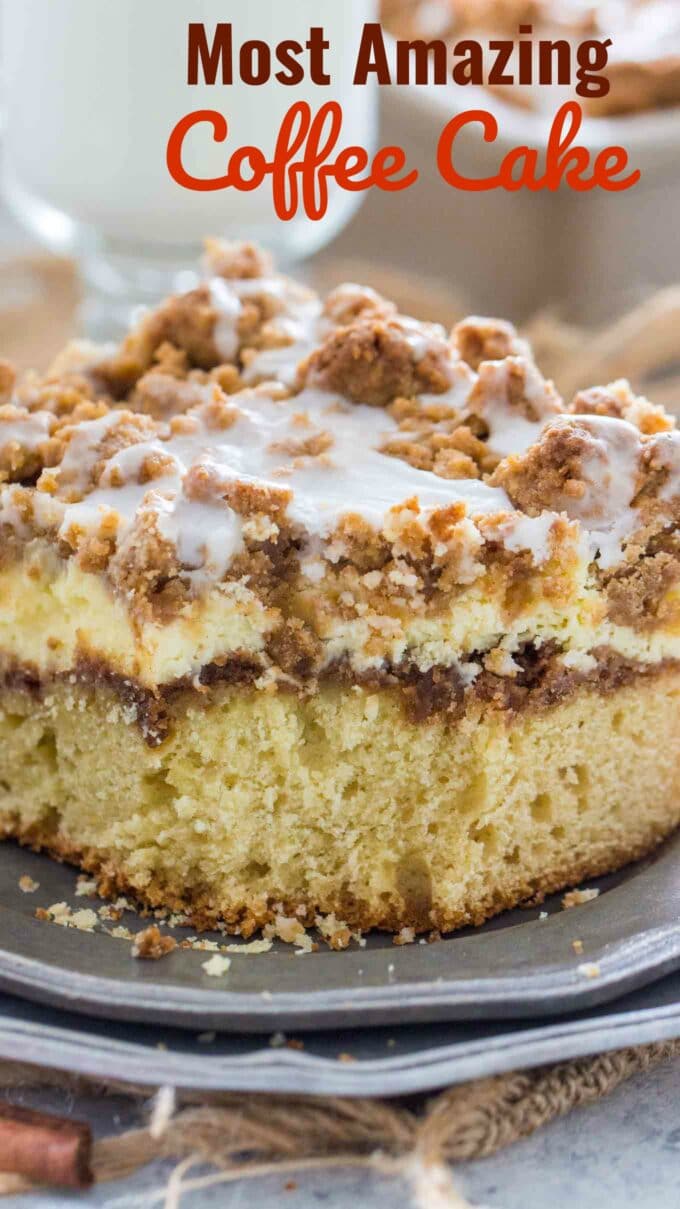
(576, 898)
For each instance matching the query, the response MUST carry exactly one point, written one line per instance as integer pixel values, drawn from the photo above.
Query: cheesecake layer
(54, 617)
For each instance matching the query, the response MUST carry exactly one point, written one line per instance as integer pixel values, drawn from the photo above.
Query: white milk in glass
(93, 89)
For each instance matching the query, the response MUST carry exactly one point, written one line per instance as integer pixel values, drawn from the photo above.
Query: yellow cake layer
(337, 803)
(52, 612)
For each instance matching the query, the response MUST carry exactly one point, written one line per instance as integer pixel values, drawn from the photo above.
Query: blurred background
(89, 211)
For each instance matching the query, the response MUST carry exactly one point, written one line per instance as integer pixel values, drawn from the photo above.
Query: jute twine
(244, 1136)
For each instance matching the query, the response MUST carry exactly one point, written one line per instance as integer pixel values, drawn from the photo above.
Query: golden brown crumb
(146, 564)
(516, 387)
(304, 447)
(345, 1057)
(373, 361)
(253, 946)
(236, 260)
(200, 946)
(405, 937)
(642, 595)
(27, 885)
(577, 946)
(84, 919)
(162, 395)
(121, 933)
(477, 339)
(349, 302)
(186, 322)
(441, 442)
(25, 444)
(85, 886)
(334, 931)
(218, 414)
(575, 898)
(291, 931)
(126, 428)
(151, 944)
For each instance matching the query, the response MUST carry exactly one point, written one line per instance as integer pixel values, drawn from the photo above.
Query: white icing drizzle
(353, 476)
(24, 429)
(125, 502)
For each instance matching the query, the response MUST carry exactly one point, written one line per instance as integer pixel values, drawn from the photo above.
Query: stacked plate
(529, 987)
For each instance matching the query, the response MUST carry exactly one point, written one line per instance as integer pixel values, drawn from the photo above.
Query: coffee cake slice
(307, 607)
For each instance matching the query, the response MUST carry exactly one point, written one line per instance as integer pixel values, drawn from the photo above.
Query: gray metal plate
(515, 966)
(386, 1061)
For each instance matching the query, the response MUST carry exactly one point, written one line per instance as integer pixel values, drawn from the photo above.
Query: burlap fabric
(242, 1136)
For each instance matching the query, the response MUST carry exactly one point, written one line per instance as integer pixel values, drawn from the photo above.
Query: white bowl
(591, 254)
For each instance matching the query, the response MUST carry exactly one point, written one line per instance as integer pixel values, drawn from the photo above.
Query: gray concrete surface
(623, 1152)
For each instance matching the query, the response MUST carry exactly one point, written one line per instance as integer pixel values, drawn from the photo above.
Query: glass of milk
(93, 89)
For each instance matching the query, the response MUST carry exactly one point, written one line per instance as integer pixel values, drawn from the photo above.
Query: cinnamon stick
(48, 1149)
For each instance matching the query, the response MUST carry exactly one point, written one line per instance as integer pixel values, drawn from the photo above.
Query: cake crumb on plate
(589, 969)
(61, 913)
(216, 966)
(151, 945)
